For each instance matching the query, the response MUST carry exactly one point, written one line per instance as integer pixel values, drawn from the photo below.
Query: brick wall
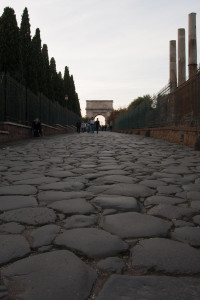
(181, 135)
(12, 131)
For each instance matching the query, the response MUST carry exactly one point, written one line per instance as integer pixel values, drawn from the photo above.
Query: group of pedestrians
(88, 127)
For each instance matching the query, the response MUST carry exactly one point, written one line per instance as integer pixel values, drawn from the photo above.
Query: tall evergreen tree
(76, 107)
(53, 75)
(66, 85)
(72, 92)
(28, 61)
(37, 62)
(25, 48)
(47, 89)
(9, 43)
(60, 94)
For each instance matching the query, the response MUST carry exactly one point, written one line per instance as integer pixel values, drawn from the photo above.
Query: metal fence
(20, 105)
(178, 108)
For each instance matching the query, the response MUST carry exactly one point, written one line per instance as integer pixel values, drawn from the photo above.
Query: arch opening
(101, 118)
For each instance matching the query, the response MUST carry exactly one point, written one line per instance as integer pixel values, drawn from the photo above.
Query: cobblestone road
(107, 216)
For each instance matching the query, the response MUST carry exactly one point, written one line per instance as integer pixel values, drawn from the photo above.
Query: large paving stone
(108, 167)
(30, 216)
(162, 175)
(72, 207)
(196, 219)
(44, 235)
(11, 176)
(111, 179)
(192, 187)
(97, 189)
(3, 168)
(55, 275)
(181, 223)
(82, 171)
(193, 195)
(130, 190)
(120, 287)
(60, 174)
(12, 227)
(195, 205)
(52, 196)
(164, 255)
(18, 190)
(118, 172)
(177, 170)
(111, 264)
(79, 221)
(135, 225)
(14, 202)
(172, 211)
(91, 242)
(79, 180)
(88, 166)
(169, 189)
(190, 235)
(112, 172)
(38, 181)
(158, 199)
(152, 183)
(12, 247)
(63, 186)
(121, 203)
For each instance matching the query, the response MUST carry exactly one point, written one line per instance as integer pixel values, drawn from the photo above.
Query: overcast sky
(115, 49)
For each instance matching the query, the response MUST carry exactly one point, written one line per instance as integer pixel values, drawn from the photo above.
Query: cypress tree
(76, 108)
(72, 92)
(37, 63)
(9, 43)
(66, 85)
(25, 47)
(53, 75)
(60, 94)
(47, 89)
(26, 60)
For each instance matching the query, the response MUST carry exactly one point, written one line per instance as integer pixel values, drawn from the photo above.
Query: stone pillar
(181, 56)
(192, 45)
(172, 66)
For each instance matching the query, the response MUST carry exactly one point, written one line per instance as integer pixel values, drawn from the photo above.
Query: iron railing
(178, 108)
(20, 105)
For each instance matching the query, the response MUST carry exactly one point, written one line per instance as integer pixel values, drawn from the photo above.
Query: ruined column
(181, 56)
(172, 66)
(192, 45)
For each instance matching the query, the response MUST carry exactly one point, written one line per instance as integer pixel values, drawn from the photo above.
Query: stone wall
(12, 131)
(181, 135)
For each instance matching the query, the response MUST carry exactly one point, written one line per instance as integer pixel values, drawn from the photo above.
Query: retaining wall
(181, 135)
(12, 131)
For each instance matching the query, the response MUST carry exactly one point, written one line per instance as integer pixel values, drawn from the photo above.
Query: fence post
(40, 106)
(198, 99)
(5, 97)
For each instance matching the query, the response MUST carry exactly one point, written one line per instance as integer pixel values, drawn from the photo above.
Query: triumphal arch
(99, 107)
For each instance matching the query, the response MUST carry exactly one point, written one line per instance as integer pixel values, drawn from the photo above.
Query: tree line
(147, 99)
(26, 59)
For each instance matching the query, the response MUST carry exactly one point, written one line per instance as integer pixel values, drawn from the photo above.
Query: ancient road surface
(107, 216)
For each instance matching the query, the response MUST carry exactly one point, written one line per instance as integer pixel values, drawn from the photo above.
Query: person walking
(78, 126)
(37, 128)
(97, 125)
(92, 125)
(83, 126)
